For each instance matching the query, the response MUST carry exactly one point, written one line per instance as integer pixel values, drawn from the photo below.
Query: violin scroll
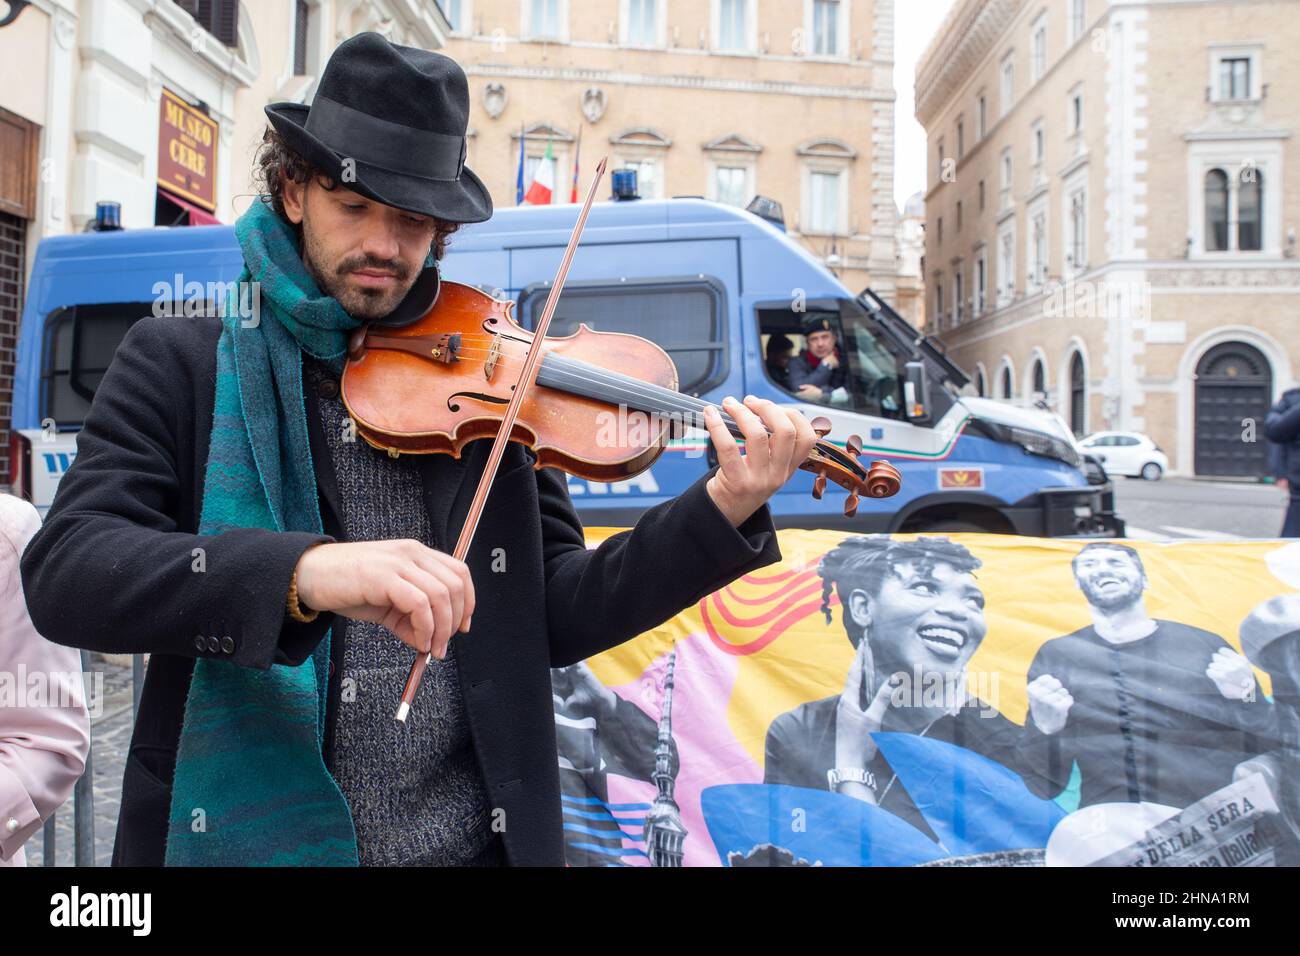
(829, 463)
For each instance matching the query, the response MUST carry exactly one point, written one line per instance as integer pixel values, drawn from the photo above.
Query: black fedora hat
(389, 122)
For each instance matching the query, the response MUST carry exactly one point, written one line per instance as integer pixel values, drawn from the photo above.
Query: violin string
(656, 397)
(562, 371)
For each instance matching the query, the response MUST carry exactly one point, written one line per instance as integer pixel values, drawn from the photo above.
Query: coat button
(214, 645)
(228, 645)
(11, 825)
(327, 388)
(200, 643)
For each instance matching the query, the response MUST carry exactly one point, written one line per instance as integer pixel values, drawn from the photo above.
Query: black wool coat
(113, 570)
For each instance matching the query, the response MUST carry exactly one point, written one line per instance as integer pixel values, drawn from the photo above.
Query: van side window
(681, 316)
(80, 342)
(871, 382)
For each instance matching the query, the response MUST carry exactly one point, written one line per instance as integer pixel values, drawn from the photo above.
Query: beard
(367, 304)
(1111, 601)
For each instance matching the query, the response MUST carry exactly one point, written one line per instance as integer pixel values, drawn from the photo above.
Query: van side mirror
(916, 392)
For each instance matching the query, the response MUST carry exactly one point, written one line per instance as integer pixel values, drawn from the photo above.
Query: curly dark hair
(277, 161)
(863, 561)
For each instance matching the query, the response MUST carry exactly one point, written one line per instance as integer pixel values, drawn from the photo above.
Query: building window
(642, 23)
(1077, 257)
(980, 385)
(1038, 383)
(1006, 170)
(457, 15)
(1249, 191)
(981, 195)
(218, 17)
(958, 295)
(1235, 72)
(1234, 78)
(731, 185)
(1037, 247)
(733, 25)
(1039, 144)
(1038, 50)
(981, 284)
(825, 195)
(1216, 211)
(301, 36)
(1078, 11)
(1006, 266)
(941, 157)
(938, 299)
(1076, 111)
(1008, 85)
(826, 27)
(981, 117)
(648, 184)
(938, 231)
(545, 19)
(961, 138)
(1008, 392)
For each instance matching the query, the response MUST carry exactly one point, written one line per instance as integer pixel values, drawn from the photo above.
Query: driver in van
(818, 374)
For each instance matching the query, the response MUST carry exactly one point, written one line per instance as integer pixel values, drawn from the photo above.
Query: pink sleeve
(44, 724)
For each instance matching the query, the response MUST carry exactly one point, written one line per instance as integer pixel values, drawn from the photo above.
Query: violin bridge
(494, 353)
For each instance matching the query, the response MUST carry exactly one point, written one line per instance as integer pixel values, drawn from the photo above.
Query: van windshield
(831, 357)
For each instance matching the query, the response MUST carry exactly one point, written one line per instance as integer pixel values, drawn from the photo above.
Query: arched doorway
(1234, 383)
(1078, 395)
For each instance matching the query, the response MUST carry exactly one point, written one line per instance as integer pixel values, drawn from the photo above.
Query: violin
(597, 405)
(601, 405)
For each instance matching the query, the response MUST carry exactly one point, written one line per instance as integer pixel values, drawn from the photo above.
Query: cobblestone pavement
(110, 736)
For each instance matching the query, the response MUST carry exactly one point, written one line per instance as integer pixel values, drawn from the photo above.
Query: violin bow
(422, 661)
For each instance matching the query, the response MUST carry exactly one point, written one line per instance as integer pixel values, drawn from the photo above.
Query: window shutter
(225, 21)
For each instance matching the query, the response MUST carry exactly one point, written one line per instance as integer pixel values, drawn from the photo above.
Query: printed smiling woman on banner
(914, 614)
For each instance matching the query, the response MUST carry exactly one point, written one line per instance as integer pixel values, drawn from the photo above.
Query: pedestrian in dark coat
(1282, 429)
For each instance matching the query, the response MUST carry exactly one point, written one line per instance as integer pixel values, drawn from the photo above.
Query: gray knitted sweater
(415, 790)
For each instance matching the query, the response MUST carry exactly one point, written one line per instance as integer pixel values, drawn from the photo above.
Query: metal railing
(83, 794)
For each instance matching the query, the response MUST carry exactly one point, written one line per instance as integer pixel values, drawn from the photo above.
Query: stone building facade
(1112, 213)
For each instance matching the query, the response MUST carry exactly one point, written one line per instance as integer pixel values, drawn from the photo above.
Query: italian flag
(542, 189)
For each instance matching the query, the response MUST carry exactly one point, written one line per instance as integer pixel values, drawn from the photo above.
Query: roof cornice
(963, 40)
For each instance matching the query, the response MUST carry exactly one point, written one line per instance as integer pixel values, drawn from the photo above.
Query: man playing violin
(223, 518)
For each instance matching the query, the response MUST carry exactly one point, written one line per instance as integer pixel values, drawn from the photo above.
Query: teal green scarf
(251, 785)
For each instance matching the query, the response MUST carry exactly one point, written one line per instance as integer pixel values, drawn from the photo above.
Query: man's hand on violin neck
(421, 595)
(777, 440)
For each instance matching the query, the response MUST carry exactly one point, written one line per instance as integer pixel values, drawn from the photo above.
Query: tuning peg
(853, 444)
(819, 485)
(851, 504)
(883, 480)
(821, 425)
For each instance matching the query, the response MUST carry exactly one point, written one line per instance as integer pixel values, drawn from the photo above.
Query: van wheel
(1151, 471)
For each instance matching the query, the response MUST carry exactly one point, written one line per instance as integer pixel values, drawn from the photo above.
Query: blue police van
(712, 284)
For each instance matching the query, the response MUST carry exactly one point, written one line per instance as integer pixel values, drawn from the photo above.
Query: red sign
(953, 479)
(187, 151)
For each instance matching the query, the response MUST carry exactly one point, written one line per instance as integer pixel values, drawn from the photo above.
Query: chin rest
(417, 302)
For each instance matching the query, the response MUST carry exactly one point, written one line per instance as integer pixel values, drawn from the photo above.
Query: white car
(1127, 453)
